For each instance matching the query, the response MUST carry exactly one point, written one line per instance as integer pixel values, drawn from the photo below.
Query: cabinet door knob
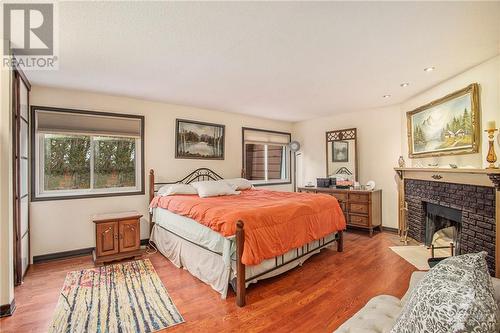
(437, 177)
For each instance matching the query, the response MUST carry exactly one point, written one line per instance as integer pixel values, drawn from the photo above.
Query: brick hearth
(477, 204)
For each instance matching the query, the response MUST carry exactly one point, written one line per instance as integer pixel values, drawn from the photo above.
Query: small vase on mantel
(401, 162)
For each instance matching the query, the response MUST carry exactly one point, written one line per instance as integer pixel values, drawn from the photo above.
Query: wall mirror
(341, 154)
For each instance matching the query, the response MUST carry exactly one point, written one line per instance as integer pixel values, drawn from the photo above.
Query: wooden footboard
(151, 196)
(240, 267)
(340, 241)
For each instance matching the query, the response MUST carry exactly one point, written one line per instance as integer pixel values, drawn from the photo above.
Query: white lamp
(294, 147)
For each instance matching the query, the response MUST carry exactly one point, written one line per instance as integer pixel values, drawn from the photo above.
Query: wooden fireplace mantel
(467, 176)
(453, 170)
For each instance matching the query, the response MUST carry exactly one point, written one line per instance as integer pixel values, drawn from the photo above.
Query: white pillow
(214, 188)
(172, 189)
(240, 183)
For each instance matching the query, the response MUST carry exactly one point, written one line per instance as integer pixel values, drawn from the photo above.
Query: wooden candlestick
(491, 157)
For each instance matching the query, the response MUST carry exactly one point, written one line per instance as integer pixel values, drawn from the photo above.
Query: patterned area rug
(128, 297)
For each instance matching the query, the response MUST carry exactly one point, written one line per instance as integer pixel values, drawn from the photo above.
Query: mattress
(189, 229)
(275, 222)
(185, 243)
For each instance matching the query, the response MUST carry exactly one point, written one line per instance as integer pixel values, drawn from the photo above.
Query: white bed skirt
(218, 269)
(207, 266)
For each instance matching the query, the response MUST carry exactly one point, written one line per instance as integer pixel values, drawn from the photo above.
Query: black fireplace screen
(439, 217)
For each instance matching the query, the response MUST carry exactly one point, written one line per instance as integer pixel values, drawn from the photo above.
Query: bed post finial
(240, 267)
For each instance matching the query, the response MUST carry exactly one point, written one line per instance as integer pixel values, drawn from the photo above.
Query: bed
(241, 239)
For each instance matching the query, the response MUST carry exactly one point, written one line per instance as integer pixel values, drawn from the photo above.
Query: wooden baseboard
(70, 254)
(8, 309)
(62, 255)
(390, 229)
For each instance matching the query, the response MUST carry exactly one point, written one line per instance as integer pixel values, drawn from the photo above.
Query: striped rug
(126, 297)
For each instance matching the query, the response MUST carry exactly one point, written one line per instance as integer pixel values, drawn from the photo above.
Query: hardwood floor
(317, 297)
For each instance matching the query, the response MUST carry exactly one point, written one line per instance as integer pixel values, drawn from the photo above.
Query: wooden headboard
(197, 175)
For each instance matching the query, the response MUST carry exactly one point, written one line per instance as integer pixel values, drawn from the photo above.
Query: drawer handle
(437, 177)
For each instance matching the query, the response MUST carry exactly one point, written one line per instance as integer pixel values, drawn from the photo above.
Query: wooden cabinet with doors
(362, 209)
(118, 236)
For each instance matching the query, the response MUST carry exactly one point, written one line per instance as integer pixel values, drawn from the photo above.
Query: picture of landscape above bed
(199, 140)
(446, 126)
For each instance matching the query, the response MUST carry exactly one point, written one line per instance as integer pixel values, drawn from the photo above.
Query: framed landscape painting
(198, 140)
(447, 126)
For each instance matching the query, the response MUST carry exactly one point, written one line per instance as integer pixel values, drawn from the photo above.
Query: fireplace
(442, 225)
(464, 213)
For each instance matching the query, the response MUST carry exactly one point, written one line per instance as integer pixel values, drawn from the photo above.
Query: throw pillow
(456, 296)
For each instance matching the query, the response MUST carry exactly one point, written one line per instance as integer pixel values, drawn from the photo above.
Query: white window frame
(39, 154)
(287, 157)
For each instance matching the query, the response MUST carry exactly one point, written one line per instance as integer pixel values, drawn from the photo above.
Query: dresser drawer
(361, 208)
(341, 197)
(358, 220)
(359, 197)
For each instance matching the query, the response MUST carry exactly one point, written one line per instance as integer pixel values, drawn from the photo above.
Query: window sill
(86, 196)
(271, 183)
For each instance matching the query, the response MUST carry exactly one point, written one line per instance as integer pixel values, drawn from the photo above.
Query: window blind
(251, 136)
(89, 124)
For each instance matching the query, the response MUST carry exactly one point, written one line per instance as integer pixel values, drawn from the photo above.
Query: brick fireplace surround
(477, 203)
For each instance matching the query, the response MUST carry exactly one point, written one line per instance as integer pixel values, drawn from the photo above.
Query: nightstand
(118, 236)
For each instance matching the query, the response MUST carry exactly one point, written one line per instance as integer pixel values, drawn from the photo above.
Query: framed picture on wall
(447, 126)
(340, 151)
(199, 140)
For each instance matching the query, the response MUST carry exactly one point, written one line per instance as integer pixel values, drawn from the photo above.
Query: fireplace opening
(442, 226)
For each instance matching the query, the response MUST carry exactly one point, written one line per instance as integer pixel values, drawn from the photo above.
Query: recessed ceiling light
(429, 69)
(404, 84)
(386, 96)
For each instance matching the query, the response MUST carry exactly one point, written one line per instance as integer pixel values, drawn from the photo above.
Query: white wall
(488, 77)
(382, 135)
(65, 225)
(381, 139)
(379, 144)
(6, 218)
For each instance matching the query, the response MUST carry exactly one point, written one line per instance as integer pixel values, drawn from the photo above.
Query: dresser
(118, 236)
(362, 209)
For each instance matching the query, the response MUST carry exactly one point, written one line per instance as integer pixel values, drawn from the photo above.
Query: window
(266, 156)
(86, 154)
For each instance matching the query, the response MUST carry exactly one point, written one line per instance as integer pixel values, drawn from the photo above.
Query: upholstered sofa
(381, 312)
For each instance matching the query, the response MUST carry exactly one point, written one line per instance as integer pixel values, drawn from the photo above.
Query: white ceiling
(282, 60)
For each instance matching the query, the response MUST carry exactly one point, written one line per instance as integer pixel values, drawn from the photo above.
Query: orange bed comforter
(275, 222)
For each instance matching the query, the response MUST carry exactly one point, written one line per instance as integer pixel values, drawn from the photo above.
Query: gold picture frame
(447, 126)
